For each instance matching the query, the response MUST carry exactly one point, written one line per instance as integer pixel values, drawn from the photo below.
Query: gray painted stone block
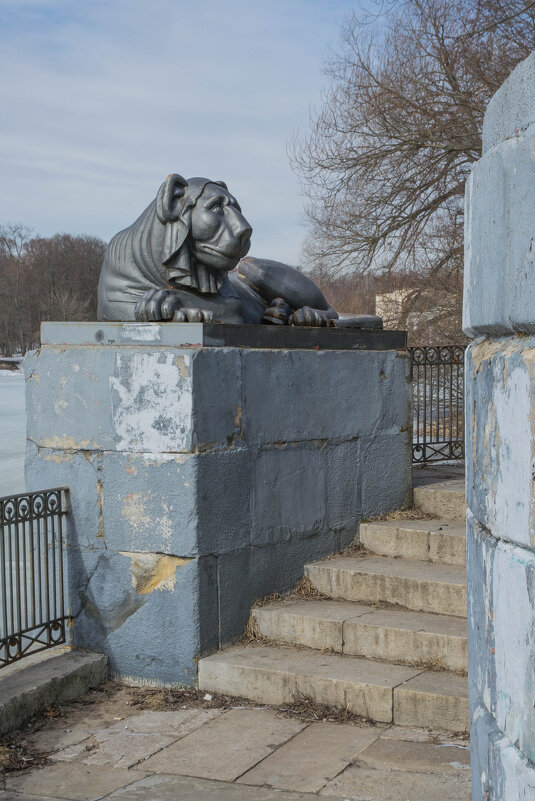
(143, 610)
(184, 504)
(326, 389)
(386, 472)
(202, 479)
(253, 573)
(512, 108)
(288, 493)
(55, 468)
(128, 399)
(499, 293)
(500, 436)
(499, 771)
(501, 621)
(344, 485)
(500, 404)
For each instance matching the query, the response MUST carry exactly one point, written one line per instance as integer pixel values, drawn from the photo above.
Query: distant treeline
(44, 278)
(56, 278)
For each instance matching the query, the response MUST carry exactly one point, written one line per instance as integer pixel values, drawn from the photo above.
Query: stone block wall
(203, 479)
(499, 313)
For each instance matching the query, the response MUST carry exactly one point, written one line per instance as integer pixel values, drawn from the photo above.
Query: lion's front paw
(157, 305)
(193, 316)
(308, 316)
(277, 313)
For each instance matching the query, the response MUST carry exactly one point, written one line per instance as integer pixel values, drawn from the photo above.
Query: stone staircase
(388, 640)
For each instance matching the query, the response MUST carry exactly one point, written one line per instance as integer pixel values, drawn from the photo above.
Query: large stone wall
(204, 478)
(499, 312)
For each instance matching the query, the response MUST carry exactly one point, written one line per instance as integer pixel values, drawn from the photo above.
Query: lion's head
(205, 235)
(190, 236)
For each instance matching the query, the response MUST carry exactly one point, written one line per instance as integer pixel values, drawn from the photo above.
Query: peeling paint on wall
(153, 571)
(151, 415)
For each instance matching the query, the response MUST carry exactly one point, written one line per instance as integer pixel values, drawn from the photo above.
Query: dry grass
(15, 754)
(404, 514)
(305, 591)
(300, 708)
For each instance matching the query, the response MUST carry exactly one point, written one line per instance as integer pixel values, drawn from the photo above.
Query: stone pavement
(114, 749)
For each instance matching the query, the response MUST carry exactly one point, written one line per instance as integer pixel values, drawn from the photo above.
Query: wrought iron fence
(437, 375)
(32, 607)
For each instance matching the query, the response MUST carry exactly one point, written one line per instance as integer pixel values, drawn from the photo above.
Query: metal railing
(437, 374)
(32, 605)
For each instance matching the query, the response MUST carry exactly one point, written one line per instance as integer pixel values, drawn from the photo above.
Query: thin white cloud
(101, 100)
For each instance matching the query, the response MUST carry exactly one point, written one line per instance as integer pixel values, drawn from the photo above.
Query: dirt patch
(16, 753)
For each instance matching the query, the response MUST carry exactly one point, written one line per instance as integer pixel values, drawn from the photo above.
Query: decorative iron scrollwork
(437, 374)
(32, 609)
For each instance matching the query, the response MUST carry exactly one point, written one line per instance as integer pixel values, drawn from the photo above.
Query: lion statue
(175, 261)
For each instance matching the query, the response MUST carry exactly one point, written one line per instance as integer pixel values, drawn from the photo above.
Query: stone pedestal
(500, 444)
(203, 477)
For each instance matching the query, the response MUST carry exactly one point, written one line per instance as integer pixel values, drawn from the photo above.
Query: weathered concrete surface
(421, 586)
(443, 498)
(288, 755)
(395, 635)
(427, 540)
(499, 291)
(202, 479)
(48, 679)
(512, 108)
(379, 691)
(277, 674)
(500, 444)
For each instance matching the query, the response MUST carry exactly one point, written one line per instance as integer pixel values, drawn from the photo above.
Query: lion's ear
(169, 196)
(221, 183)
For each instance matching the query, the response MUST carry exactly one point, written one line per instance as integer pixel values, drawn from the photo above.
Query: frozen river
(12, 433)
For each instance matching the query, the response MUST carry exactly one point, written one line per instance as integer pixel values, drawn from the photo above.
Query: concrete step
(445, 499)
(48, 677)
(422, 586)
(432, 697)
(441, 541)
(392, 634)
(379, 691)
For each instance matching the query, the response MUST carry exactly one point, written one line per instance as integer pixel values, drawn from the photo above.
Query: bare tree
(387, 156)
(53, 278)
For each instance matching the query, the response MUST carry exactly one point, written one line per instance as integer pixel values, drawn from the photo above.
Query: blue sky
(100, 100)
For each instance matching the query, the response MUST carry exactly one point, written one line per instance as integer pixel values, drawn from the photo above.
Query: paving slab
(76, 782)
(277, 674)
(363, 784)
(422, 586)
(435, 700)
(421, 735)
(114, 749)
(12, 796)
(175, 723)
(312, 757)
(180, 788)
(420, 757)
(226, 747)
